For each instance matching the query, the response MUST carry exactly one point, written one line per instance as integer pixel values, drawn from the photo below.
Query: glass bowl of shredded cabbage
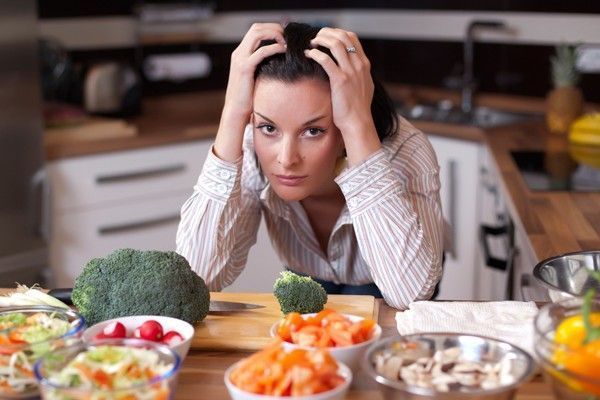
(26, 334)
(131, 369)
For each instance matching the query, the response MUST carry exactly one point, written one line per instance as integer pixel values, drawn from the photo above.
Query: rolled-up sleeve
(394, 203)
(219, 223)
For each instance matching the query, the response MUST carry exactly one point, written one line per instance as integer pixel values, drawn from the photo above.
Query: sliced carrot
(85, 370)
(340, 337)
(274, 371)
(102, 379)
(16, 337)
(328, 328)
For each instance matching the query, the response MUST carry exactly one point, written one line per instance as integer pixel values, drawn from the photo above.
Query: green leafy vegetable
(592, 332)
(136, 282)
(299, 293)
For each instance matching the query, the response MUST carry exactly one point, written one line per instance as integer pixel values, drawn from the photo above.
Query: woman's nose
(288, 154)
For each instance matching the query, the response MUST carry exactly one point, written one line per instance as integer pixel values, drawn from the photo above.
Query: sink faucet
(468, 84)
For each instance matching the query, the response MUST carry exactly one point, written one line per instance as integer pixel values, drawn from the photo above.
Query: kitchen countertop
(203, 371)
(555, 222)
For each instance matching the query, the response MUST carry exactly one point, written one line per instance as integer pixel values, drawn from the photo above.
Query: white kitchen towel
(511, 321)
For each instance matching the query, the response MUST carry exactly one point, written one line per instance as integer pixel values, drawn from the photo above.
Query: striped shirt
(390, 231)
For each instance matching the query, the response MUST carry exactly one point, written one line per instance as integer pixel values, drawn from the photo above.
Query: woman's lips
(290, 180)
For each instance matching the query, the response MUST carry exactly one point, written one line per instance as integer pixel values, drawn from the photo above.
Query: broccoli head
(136, 282)
(299, 293)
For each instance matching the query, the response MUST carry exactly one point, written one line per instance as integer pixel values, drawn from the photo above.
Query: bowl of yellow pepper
(568, 346)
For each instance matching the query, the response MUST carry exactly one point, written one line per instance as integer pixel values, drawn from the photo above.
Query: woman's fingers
(260, 32)
(338, 41)
(265, 51)
(325, 61)
(337, 48)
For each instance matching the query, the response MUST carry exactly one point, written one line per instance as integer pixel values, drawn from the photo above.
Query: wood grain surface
(249, 330)
(201, 376)
(555, 222)
(202, 371)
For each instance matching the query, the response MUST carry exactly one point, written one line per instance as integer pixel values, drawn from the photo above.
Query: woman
(349, 195)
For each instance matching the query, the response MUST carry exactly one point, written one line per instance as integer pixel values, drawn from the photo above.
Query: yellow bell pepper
(579, 354)
(571, 331)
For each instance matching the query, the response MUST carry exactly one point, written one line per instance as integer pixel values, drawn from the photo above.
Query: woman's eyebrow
(263, 117)
(311, 121)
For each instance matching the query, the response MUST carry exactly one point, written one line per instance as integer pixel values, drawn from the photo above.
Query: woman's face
(294, 137)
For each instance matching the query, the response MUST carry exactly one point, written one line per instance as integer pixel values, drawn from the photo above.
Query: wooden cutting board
(249, 330)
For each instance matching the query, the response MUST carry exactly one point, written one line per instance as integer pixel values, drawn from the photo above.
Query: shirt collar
(282, 209)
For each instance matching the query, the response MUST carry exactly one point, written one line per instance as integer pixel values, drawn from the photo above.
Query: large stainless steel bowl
(566, 276)
(472, 347)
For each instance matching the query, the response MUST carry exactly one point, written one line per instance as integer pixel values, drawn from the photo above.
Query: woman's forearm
(361, 141)
(228, 142)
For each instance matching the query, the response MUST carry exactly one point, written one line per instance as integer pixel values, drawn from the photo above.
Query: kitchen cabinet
(506, 260)
(459, 175)
(131, 199)
(495, 247)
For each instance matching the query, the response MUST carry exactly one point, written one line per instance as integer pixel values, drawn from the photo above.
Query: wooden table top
(201, 376)
(555, 222)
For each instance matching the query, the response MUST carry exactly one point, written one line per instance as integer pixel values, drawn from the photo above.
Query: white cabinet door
(78, 237)
(492, 283)
(526, 289)
(459, 169)
(112, 178)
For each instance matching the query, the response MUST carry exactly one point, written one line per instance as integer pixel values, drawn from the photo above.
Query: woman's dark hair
(293, 66)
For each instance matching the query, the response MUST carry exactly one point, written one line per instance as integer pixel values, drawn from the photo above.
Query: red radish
(151, 330)
(172, 338)
(114, 330)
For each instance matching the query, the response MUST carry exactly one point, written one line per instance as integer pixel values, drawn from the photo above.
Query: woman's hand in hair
(240, 86)
(351, 90)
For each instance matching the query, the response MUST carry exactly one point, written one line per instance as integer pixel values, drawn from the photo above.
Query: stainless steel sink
(483, 117)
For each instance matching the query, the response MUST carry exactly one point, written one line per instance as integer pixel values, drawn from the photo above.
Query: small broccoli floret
(299, 293)
(136, 282)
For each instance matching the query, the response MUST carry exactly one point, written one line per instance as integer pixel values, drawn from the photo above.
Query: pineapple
(564, 71)
(564, 102)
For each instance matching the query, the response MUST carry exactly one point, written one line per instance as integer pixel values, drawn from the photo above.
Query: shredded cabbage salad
(23, 339)
(107, 372)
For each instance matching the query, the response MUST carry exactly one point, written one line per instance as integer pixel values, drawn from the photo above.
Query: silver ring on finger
(351, 49)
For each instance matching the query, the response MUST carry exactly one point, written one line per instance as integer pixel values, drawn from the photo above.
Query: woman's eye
(312, 132)
(266, 129)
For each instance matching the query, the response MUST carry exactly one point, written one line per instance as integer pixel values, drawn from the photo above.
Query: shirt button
(352, 202)
(221, 188)
(224, 174)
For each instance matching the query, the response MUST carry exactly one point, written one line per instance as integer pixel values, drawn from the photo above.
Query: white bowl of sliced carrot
(346, 336)
(276, 372)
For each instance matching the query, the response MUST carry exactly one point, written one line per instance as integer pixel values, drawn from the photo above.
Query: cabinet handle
(484, 232)
(150, 173)
(452, 203)
(133, 226)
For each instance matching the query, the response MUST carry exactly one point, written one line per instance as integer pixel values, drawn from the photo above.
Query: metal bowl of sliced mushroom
(447, 366)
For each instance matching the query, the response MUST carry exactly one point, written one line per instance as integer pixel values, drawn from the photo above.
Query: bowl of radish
(175, 333)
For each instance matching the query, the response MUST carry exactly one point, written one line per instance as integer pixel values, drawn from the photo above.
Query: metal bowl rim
(416, 390)
(538, 267)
